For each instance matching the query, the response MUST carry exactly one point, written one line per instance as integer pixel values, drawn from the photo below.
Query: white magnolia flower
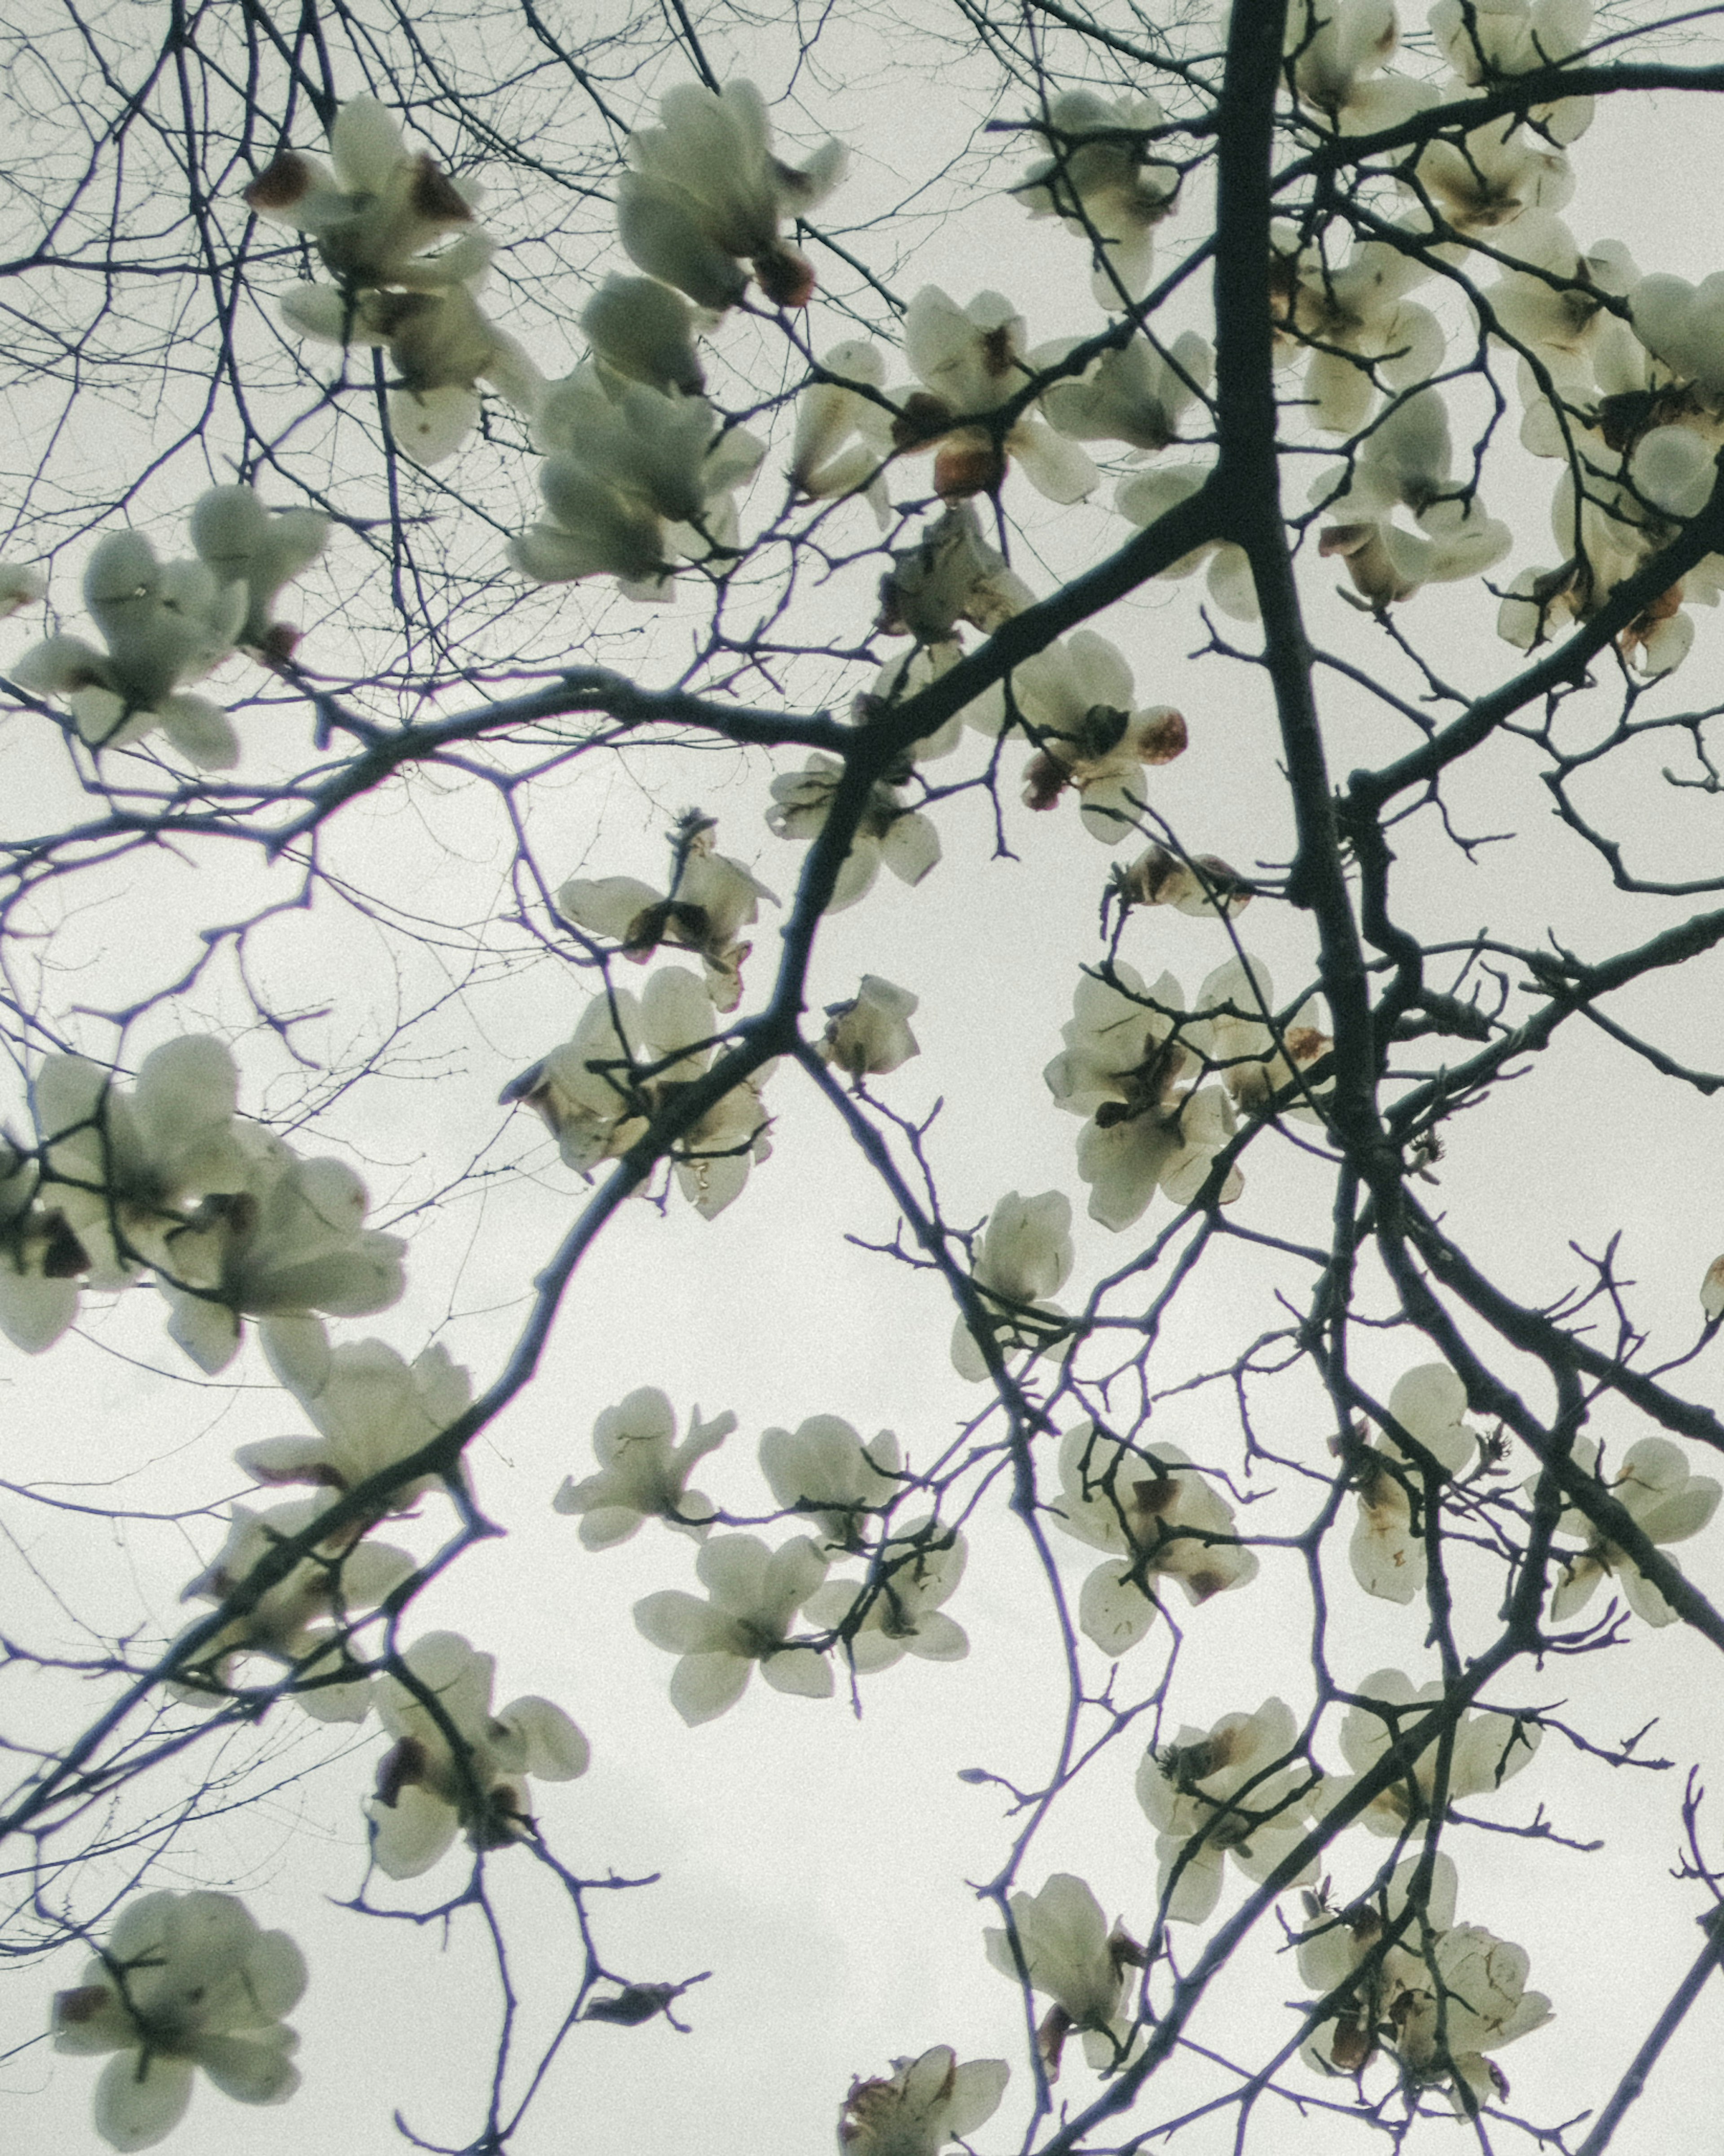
(1364, 333)
(20, 585)
(1134, 394)
(165, 623)
(1336, 48)
(896, 1611)
(1388, 1551)
(711, 899)
(643, 1473)
(844, 439)
(823, 1468)
(1667, 1503)
(291, 1242)
(1242, 1790)
(889, 832)
(1346, 1946)
(1025, 1257)
(372, 1410)
(927, 2103)
(1191, 883)
(1565, 324)
(441, 346)
(1473, 2000)
(1126, 1065)
(1712, 1286)
(373, 219)
(184, 1980)
(1488, 1748)
(40, 1259)
(461, 1767)
(1487, 41)
(243, 542)
(1148, 496)
(122, 1166)
(1104, 185)
(1166, 1521)
(1256, 1060)
(949, 575)
(704, 194)
(756, 1593)
(1403, 463)
(644, 331)
(1489, 179)
(291, 1621)
(634, 477)
(971, 361)
(1077, 697)
(870, 1035)
(1065, 1949)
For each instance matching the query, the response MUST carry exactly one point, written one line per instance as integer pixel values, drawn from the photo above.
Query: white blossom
(1666, 1502)
(1489, 179)
(40, 1259)
(844, 439)
(1338, 49)
(1165, 1520)
(704, 194)
(1068, 1955)
(184, 1980)
(1487, 42)
(643, 1473)
(430, 1787)
(823, 1468)
(711, 899)
(1230, 1786)
(372, 1410)
(1104, 185)
(1201, 884)
(927, 2103)
(889, 833)
(123, 1165)
(1346, 1946)
(292, 1241)
(644, 332)
(374, 216)
(243, 542)
(896, 1611)
(1077, 695)
(970, 362)
(1147, 496)
(20, 585)
(1257, 1061)
(754, 1594)
(1365, 332)
(1025, 1257)
(1487, 1749)
(288, 1622)
(949, 575)
(1387, 1552)
(1133, 394)
(870, 1035)
(164, 623)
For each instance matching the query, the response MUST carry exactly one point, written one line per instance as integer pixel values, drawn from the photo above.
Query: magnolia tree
(512, 534)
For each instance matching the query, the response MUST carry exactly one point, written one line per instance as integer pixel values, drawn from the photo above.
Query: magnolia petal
(408, 1836)
(1114, 1611)
(800, 1671)
(556, 1750)
(704, 1687)
(140, 2098)
(252, 2069)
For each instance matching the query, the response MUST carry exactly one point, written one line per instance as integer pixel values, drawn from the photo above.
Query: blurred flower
(949, 575)
(461, 1768)
(1338, 48)
(243, 542)
(1487, 42)
(644, 331)
(19, 587)
(1666, 1502)
(1229, 1787)
(704, 194)
(184, 1980)
(40, 1259)
(164, 622)
(928, 2103)
(643, 1474)
(756, 1593)
(1487, 178)
(372, 1410)
(1166, 1521)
